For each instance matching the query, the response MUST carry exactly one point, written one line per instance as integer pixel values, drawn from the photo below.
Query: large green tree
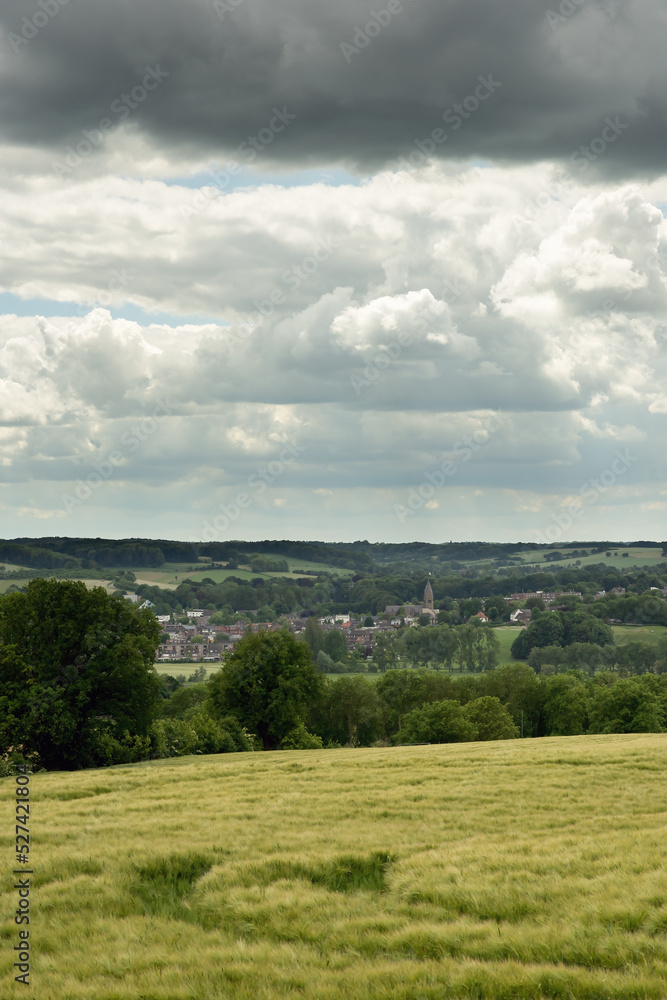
(314, 636)
(636, 657)
(465, 635)
(580, 627)
(566, 706)
(335, 645)
(352, 709)
(560, 629)
(76, 671)
(387, 649)
(401, 691)
(443, 644)
(486, 648)
(518, 688)
(478, 646)
(491, 719)
(269, 684)
(545, 629)
(627, 706)
(497, 608)
(418, 645)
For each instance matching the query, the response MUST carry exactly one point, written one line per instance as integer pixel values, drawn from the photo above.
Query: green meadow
(6, 584)
(638, 633)
(174, 667)
(620, 557)
(520, 869)
(506, 634)
(171, 574)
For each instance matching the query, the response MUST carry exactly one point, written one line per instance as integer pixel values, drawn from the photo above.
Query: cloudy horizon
(392, 271)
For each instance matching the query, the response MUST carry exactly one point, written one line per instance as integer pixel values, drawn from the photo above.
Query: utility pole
(521, 723)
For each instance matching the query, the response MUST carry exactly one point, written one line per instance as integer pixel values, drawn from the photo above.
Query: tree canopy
(491, 719)
(561, 628)
(268, 683)
(76, 669)
(627, 706)
(438, 722)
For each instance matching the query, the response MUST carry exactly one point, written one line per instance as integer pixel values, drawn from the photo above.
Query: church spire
(428, 596)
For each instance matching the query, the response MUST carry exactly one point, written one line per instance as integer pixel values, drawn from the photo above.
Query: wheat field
(517, 869)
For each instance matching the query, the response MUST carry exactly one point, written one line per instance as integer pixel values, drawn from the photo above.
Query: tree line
(471, 646)
(457, 597)
(78, 689)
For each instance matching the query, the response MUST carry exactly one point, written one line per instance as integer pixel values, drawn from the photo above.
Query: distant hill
(64, 553)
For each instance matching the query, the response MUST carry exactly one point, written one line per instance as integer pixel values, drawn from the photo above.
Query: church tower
(428, 596)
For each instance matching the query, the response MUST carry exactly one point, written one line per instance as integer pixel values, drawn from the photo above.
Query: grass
(622, 634)
(175, 668)
(522, 869)
(638, 633)
(6, 584)
(171, 574)
(645, 558)
(298, 565)
(641, 557)
(506, 634)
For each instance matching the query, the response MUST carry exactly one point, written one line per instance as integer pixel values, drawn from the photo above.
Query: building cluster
(545, 595)
(221, 639)
(408, 612)
(218, 640)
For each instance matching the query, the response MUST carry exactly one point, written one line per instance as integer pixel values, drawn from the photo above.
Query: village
(360, 632)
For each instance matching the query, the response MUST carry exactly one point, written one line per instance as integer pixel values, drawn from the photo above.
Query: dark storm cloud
(554, 79)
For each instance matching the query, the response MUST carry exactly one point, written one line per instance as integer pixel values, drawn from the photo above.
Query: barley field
(518, 869)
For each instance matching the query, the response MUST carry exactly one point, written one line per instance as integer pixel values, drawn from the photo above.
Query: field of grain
(521, 869)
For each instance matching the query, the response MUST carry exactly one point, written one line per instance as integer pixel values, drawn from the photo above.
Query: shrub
(324, 662)
(439, 722)
(198, 734)
(14, 757)
(109, 749)
(267, 564)
(183, 700)
(300, 739)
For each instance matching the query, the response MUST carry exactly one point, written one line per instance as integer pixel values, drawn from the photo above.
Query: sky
(390, 270)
